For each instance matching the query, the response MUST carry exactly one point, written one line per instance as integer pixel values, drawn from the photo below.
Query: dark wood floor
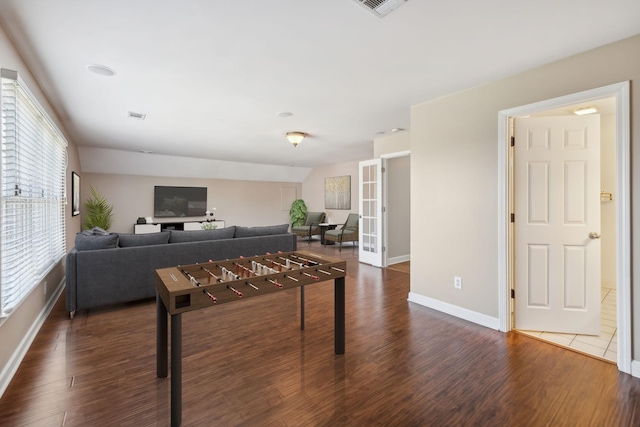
(248, 364)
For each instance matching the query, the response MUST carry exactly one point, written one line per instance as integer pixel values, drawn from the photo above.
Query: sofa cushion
(267, 230)
(91, 242)
(181, 236)
(128, 240)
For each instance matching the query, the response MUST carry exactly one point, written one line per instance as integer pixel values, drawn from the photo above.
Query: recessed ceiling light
(585, 110)
(394, 130)
(285, 114)
(101, 70)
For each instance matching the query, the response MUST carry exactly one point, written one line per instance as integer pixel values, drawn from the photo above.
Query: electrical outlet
(457, 282)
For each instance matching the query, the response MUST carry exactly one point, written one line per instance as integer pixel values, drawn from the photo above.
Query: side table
(324, 226)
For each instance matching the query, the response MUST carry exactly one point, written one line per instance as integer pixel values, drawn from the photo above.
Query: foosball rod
(306, 260)
(277, 263)
(235, 291)
(299, 264)
(316, 278)
(275, 282)
(243, 268)
(210, 273)
(195, 282)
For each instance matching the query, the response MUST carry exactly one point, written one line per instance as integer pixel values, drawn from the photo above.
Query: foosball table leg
(176, 370)
(302, 308)
(162, 344)
(339, 313)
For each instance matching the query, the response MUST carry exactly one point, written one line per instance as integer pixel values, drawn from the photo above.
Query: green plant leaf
(98, 211)
(298, 212)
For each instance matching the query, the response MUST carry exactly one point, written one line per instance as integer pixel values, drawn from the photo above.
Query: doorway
(384, 202)
(620, 93)
(397, 200)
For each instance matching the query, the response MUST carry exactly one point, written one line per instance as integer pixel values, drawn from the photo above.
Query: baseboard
(454, 310)
(635, 368)
(398, 259)
(12, 366)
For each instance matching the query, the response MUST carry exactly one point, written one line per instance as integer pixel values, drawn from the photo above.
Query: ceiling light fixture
(585, 110)
(295, 137)
(101, 70)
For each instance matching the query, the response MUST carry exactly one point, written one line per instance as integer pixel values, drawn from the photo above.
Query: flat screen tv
(179, 201)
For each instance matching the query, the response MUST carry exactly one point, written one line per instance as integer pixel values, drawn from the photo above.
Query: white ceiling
(211, 75)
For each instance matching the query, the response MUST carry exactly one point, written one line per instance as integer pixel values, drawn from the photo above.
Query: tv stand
(167, 226)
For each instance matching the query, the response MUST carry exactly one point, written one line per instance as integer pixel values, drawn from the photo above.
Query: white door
(370, 199)
(557, 224)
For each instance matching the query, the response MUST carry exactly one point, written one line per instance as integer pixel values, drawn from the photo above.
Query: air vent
(138, 116)
(381, 8)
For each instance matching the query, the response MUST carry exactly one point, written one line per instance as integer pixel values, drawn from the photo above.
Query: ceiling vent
(381, 8)
(137, 116)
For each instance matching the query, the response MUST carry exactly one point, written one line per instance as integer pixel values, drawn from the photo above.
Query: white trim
(383, 215)
(623, 225)
(623, 203)
(398, 259)
(454, 310)
(635, 368)
(18, 355)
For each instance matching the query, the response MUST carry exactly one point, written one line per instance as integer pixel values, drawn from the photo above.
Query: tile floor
(605, 345)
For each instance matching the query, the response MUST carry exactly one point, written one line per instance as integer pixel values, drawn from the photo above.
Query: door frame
(620, 91)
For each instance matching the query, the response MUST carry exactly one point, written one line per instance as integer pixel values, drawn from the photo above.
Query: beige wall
(17, 330)
(313, 190)
(247, 203)
(454, 164)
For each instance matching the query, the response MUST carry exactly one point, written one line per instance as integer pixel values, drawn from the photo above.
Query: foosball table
(197, 286)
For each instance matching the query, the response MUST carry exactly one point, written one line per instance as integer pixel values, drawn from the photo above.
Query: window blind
(33, 193)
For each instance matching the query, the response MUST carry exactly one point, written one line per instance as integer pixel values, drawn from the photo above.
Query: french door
(371, 211)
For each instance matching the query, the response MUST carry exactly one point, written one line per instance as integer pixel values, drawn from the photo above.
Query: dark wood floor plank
(248, 364)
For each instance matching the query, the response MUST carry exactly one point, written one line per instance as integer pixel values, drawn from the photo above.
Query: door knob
(594, 235)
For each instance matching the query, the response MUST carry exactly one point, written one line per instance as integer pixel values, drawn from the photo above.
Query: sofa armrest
(71, 285)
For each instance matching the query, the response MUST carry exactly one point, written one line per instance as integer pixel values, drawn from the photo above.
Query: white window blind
(34, 162)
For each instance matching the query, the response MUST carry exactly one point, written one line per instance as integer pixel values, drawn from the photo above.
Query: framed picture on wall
(75, 194)
(337, 192)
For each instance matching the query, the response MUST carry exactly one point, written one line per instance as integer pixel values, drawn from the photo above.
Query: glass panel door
(370, 193)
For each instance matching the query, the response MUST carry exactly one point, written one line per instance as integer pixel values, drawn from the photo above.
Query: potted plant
(98, 211)
(298, 213)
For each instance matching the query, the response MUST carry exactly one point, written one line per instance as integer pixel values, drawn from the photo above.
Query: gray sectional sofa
(117, 268)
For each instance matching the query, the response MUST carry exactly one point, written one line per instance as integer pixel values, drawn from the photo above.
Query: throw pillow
(129, 240)
(267, 230)
(95, 231)
(181, 236)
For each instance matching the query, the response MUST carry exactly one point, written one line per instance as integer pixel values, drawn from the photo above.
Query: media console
(163, 226)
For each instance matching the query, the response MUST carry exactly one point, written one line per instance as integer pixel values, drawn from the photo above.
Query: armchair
(348, 232)
(310, 226)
